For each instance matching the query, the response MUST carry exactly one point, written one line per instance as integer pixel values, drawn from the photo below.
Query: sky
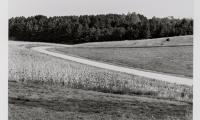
(149, 8)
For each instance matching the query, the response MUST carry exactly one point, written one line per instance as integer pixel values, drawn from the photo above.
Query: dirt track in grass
(149, 74)
(175, 60)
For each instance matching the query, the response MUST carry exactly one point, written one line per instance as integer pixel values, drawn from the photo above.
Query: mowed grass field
(173, 57)
(177, 40)
(45, 87)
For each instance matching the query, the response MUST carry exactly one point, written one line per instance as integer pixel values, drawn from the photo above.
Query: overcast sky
(149, 8)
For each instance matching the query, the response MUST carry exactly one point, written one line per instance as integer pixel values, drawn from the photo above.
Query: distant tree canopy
(93, 28)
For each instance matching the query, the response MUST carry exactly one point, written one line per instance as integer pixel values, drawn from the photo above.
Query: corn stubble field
(45, 87)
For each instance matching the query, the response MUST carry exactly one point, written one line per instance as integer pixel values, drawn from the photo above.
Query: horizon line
(48, 16)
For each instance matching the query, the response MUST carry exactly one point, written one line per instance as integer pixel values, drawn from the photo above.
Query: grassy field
(179, 40)
(40, 84)
(173, 57)
(44, 102)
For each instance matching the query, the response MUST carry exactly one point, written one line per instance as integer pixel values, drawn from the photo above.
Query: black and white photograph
(100, 59)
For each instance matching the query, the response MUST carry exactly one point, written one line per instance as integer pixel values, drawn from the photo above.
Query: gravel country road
(153, 75)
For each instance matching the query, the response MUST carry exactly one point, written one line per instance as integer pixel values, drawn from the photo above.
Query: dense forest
(93, 28)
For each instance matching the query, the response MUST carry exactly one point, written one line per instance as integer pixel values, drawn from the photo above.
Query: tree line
(96, 28)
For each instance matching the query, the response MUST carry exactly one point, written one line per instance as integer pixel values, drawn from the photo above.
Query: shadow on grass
(157, 110)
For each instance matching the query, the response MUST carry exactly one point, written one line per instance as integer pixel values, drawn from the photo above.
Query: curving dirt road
(153, 75)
